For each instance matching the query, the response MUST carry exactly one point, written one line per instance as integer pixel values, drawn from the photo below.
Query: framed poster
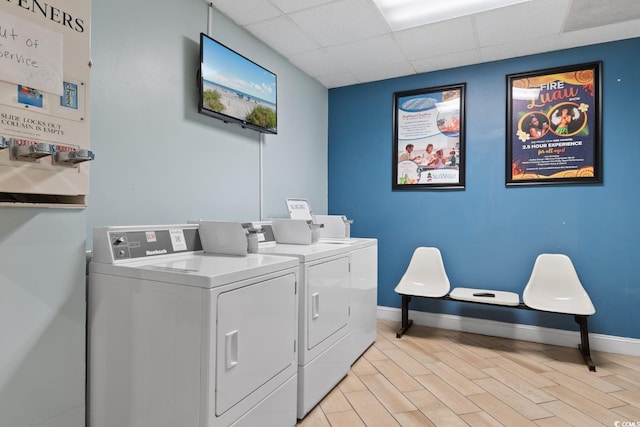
(554, 125)
(428, 138)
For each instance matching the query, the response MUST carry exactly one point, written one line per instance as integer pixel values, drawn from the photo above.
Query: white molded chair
(425, 277)
(554, 286)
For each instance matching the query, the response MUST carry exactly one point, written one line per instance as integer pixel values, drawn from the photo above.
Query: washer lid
(203, 270)
(306, 253)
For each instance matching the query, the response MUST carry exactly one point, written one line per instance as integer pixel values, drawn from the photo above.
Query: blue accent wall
(490, 235)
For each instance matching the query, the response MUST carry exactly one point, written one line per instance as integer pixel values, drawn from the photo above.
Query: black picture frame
(554, 126)
(428, 147)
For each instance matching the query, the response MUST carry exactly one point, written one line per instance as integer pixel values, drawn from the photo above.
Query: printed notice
(30, 55)
(177, 240)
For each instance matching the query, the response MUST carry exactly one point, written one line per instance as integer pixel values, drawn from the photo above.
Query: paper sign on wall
(30, 55)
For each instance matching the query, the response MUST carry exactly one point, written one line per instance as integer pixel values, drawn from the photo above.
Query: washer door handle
(231, 345)
(315, 305)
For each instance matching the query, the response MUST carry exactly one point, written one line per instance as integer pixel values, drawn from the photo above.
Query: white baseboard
(597, 342)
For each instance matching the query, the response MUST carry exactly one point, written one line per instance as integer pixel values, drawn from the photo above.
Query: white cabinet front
(363, 299)
(255, 335)
(327, 299)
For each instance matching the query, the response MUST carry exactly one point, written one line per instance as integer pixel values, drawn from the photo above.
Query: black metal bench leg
(406, 322)
(584, 342)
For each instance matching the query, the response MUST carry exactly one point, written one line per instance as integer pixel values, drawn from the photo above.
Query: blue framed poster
(428, 138)
(554, 126)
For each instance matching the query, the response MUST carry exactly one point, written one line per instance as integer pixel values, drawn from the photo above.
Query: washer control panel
(147, 243)
(121, 243)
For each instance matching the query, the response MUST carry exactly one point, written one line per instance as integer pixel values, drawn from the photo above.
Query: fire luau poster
(553, 122)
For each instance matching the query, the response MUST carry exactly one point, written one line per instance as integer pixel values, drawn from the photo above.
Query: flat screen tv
(235, 89)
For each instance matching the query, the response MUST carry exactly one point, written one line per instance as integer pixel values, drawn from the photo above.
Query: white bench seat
(486, 296)
(553, 286)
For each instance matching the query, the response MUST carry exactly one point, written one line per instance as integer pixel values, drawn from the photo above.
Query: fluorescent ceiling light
(403, 14)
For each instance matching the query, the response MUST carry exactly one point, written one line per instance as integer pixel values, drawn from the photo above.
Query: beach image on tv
(236, 87)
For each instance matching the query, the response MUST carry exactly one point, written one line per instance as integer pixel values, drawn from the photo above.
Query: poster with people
(428, 144)
(554, 126)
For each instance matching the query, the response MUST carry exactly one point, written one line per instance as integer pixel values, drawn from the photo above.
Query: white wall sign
(44, 97)
(30, 54)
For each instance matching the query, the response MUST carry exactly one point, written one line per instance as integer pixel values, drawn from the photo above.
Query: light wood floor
(447, 378)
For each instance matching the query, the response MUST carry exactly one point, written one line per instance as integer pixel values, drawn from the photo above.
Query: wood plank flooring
(438, 377)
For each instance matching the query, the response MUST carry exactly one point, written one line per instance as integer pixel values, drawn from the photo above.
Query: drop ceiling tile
(444, 62)
(384, 71)
(337, 80)
(283, 35)
(288, 6)
(341, 21)
(317, 63)
(595, 13)
(247, 11)
(520, 22)
(367, 53)
(603, 34)
(441, 38)
(519, 48)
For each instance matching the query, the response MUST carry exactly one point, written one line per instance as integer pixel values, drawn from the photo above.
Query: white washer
(178, 337)
(337, 306)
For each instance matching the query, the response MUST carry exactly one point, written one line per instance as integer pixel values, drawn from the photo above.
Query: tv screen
(236, 89)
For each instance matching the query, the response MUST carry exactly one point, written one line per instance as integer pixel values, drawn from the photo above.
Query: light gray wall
(42, 317)
(159, 161)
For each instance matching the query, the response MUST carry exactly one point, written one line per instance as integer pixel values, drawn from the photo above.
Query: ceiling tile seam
(306, 33)
(476, 37)
(387, 31)
(404, 55)
(304, 9)
(294, 24)
(567, 15)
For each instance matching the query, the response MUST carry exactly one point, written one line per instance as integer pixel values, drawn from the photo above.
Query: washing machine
(180, 337)
(337, 309)
(363, 288)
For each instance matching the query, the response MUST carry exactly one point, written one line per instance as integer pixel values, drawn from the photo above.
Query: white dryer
(363, 294)
(337, 306)
(178, 337)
